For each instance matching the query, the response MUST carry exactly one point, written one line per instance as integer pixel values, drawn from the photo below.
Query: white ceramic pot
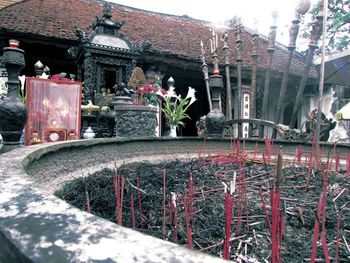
(173, 132)
(89, 134)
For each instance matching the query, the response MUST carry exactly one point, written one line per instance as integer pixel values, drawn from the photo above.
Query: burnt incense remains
(235, 204)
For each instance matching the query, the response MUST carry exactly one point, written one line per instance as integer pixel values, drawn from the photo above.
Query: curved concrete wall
(35, 226)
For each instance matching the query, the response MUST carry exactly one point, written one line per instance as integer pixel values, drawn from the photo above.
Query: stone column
(316, 33)
(239, 60)
(293, 34)
(225, 49)
(206, 76)
(254, 55)
(271, 50)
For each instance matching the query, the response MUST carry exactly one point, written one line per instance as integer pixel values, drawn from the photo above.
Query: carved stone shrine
(104, 57)
(132, 120)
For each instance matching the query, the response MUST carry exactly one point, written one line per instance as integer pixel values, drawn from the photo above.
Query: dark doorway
(287, 114)
(109, 80)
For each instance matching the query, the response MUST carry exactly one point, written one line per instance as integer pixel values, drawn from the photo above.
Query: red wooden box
(53, 109)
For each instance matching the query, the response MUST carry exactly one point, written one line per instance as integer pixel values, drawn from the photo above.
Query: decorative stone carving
(135, 121)
(121, 90)
(105, 49)
(215, 123)
(326, 125)
(288, 134)
(13, 113)
(81, 34)
(201, 126)
(13, 56)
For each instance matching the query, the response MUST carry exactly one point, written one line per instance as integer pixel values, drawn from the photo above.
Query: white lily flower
(175, 106)
(171, 93)
(190, 94)
(22, 79)
(193, 99)
(159, 92)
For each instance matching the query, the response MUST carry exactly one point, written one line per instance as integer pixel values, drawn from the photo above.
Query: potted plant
(175, 107)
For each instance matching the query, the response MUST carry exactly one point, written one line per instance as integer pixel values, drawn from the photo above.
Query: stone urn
(215, 120)
(131, 120)
(135, 121)
(13, 113)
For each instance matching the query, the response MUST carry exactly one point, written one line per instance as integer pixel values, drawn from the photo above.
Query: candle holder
(14, 43)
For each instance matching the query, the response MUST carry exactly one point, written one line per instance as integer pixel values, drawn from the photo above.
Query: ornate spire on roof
(107, 11)
(105, 24)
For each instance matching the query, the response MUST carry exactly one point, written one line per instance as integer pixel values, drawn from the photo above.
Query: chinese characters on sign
(245, 114)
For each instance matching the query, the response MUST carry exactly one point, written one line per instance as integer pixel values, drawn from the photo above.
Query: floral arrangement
(175, 106)
(63, 76)
(147, 95)
(21, 91)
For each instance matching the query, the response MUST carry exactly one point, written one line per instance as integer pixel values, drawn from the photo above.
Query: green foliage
(175, 106)
(21, 96)
(338, 24)
(3, 88)
(174, 114)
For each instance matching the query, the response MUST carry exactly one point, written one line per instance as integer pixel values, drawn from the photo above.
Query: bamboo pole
(293, 34)
(270, 50)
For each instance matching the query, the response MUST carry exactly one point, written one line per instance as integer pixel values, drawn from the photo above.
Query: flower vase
(173, 132)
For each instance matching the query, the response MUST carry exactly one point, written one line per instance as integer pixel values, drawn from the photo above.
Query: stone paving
(35, 227)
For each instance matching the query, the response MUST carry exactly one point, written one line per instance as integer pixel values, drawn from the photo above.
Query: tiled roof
(4, 3)
(167, 33)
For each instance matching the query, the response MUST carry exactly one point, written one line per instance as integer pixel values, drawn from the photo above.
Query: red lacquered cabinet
(53, 110)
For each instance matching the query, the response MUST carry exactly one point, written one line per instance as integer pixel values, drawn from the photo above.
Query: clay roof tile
(178, 35)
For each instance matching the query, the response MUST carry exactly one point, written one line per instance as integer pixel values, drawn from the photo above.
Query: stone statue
(326, 125)
(107, 10)
(201, 131)
(80, 34)
(120, 89)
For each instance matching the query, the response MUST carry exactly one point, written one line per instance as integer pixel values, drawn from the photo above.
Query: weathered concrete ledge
(38, 227)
